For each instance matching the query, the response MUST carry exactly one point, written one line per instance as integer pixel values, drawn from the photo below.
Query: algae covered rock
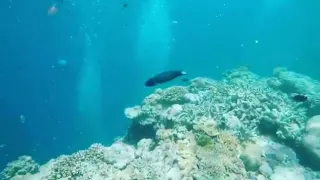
(251, 157)
(311, 140)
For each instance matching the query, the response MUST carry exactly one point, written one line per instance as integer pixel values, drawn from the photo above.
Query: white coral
(133, 112)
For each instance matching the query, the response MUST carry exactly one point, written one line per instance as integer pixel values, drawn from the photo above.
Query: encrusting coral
(207, 130)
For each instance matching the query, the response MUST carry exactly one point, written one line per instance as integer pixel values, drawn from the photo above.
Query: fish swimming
(300, 98)
(125, 5)
(164, 77)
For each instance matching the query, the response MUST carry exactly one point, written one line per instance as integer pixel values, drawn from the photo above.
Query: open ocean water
(69, 68)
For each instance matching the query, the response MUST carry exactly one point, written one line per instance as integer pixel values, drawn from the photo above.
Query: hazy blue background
(124, 46)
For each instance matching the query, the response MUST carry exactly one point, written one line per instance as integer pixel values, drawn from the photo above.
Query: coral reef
(294, 83)
(22, 166)
(311, 141)
(238, 128)
(241, 102)
(251, 157)
(167, 160)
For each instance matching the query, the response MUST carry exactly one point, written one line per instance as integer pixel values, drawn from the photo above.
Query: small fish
(185, 79)
(300, 97)
(163, 77)
(125, 5)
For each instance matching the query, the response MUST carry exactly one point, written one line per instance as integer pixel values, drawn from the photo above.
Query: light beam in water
(154, 38)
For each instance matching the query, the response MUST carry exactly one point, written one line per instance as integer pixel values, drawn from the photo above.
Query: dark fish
(163, 77)
(125, 5)
(300, 98)
(185, 79)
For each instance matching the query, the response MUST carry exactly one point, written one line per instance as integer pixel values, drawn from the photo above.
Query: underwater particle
(3, 145)
(241, 45)
(256, 41)
(18, 19)
(52, 10)
(174, 22)
(300, 98)
(22, 119)
(62, 62)
(163, 77)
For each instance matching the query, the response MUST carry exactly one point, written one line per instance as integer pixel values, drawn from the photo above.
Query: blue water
(122, 47)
